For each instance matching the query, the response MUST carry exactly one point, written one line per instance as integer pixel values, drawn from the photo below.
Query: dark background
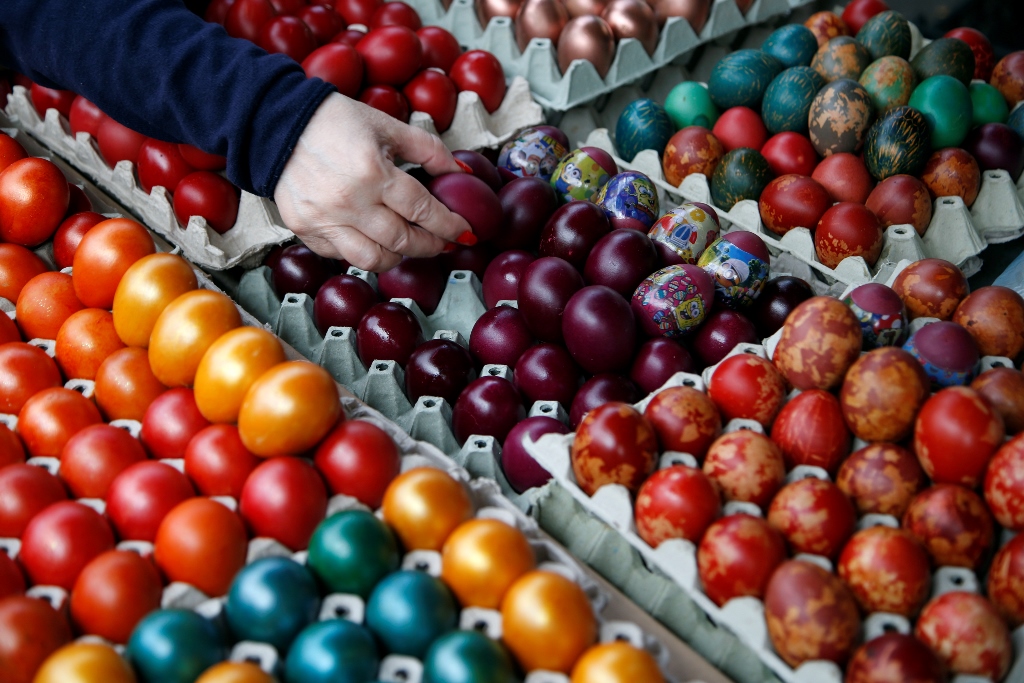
(1000, 20)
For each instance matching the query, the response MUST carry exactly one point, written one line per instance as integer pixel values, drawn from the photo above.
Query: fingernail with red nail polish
(467, 238)
(449, 248)
(464, 166)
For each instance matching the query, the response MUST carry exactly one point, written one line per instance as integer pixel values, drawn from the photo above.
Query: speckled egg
(881, 478)
(810, 430)
(741, 174)
(614, 444)
(889, 81)
(840, 117)
(882, 393)
(1004, 484)
(740, 78)
(687, 230)
(582, 173)
(946, 351)
(643, 124)
(883, 319)
(737, 556)
(801, 356)
(902, 200)
(1008, 77)
(886, 33)
(945, 56)
(1004, 389)
(792, 44)
(787, 101)
(953, 524)
(673, 301)
(841, 57)
(811, 614)
(898, 143)
(952, 172)
(887, 570)
(685, 420)
(738, 265)
(1005, 588)
(931, 288)
(746, 466)
(826, 25)
(894, 658)
(814, 516)
(630, 200)
(531, 154)
(691, 150)
(966, 633)
(994, 317)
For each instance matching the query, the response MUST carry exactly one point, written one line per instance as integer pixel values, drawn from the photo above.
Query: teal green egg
(689, 104)
(740, 79)
(889, 81)
(792, 44)
(742, 174)
(174, 646)
(946, 103)
(467, 657)
(1016, 121)
(350, 551)
(885, 34)
(643, 124)
(898, 143)
(409, 610)
(787, 101)
(945, 57)
(988, 105)
(332, 651)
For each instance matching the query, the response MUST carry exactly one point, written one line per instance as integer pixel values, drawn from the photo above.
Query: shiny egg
(966, 633)
(897, 144)
(882, 393)
(531, 154)
(881, 478)
(685, 420)
(741, 174)
(883, 320)
(792, 44)
(887, 570)
(687, 230)
(894, 658)
(737, 556)
(840, 116)
(800, 355)
(887, 33)
(793, 201)
(902, 200)
(811, 431)
(826, 25)
(953, 524)
(814, 516)
(787, 101)
(738, 265)
(673, 301)
(691, 150)
(630, 200)
(946, 351)
(643, 124)
(994, 317)
(740, 78)
(614, 444)
(952, 172)
(582, 173)
(746, 466)
(931, 288)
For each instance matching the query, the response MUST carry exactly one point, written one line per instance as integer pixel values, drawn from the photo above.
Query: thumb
(417, 146)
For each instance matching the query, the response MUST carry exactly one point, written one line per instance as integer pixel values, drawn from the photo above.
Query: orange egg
(145, 290)
(186, 328)
(423, 506)
(85, 663)
(235, 672)
(482, 558)
(616, 662)
(230, 366)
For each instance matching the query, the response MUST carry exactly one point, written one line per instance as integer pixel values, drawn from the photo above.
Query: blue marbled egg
(740, 79)
(787, 101)
(579, 176)
(643, 124)
(531, 154)
(792, 44)
(630, 200)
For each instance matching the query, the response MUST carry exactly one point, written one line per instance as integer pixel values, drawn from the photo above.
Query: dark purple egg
(489, 406)
(545, 288)
(657, 360)
(475, 259)
(748, 242)
(388, 331)
(599, 330)
(546, 372)
(439, 367)
(721, 331)
(420, 279)
(481, 167)
(499, 337)
(877, 298)
(996, 145)
(555, 133)
(506, 175)
(777, 300)
(301, 271)
(274, 255)
(501, 279)
(603, 159)
(342, 302)
(471, 198)
(880, 312)
(667, 256)
(521, 470)
(527, 204)
(598, 390)
(572, 232)
(621, 260)
(947, 352)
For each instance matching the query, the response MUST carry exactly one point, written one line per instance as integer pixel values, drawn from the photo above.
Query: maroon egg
(811, 431)
(720, 332)
(598, 390)
(737, 556)
(527, 204)
(887, 570)
(439, 367)
(881, 478)
(667, 256)
(657, 360)
(746, 466)
(846, 177)
(472, 199)
(952, 172)
(480, 166)
(902, 200)
(793, 201)
(848, 229)
(274, 255)
(546, 372)
(475, 258)
(994, 317)
(501, 279)
(500, 337)
(777, 300)
(814, 516)
(545, 288)
(621, 260)
(747, 241)
(521, 470)
(894, 658)
(931, 288)
(1004, 389)
(342, 302)
(947, 352)
(603, 159)
(299, 270)
(676, 502)
(996, 146)
(489, 406)
(599, 330)
(421, 279)
(388, 331)
(685, 420)
(967, 634)
(572, 232)
(800, 355)
(1005, 589)
(953, 524)
(614, 444)
(882, 393)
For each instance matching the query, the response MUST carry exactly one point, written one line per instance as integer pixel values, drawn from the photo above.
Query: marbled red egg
(811, 614)
(881, 478)
(845, 176)
(691, 150)
(902, 200)
(887, 569)
(737, 556)
(1006, 581)
(676, 502)
(684, 419)
(820, 341)
(848, 229)
(894, 658)
(882, 393)
(746, 466)
(1008, 77)
(1004, 484)
(966, 633)
(826, 25)
(995, 318)
(1004, 389)
(955, 436)
(811, 431)
(952, 172)
(953, 524)
(793, 201)
(747, 386)
(931, 288)
(614, 444)
(814, 516)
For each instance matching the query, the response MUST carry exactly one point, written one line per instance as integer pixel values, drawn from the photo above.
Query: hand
(343, 196)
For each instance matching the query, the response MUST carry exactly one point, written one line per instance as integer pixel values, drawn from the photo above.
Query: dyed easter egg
(988, 104)
(887, 570)
(946, 351)
(996, 146)
(882, 394)
(945, 57)
(952, 172)
(582, 173)
(984, 55)
(687, 230)
(883, 320)
(800, 356)
(1016, 121)
(673, 301)
(884, 34)
(689, 104)
(742, 174)
(738, 265)
(946, 103)
(994, 317)
(931, 288)
(643, 124)
(1008, 77)
(902, 200)
(841, 57)
(740, 78)
(881, 478)
(953, 524)
(793, 201)
(889, 81)
(693, 149)
(792, 44)
(630, 200)
(845, 176)
(848, 229)
(531, 154)
(826, 25)
(898, 143)
(787, 101)
(840, 116)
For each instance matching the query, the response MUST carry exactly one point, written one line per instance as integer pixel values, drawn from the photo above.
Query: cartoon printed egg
(630, 200)
(883, 319)
(532, 154)
(687, 230)
(673, 301)
(738, 265)
(582, 173)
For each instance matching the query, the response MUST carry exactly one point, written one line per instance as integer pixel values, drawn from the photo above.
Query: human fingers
(382, 225)
(417, 146)
(351, 245)
(407, 197)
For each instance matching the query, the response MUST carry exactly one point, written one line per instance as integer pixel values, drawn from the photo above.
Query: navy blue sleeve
(163, 71)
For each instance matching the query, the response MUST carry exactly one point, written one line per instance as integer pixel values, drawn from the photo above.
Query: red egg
(793, 201)
(956, 433)
(858, 12)
(747, 386)
(882, 393)
(684, 419)
(952, 172)
(814, 516)
(846, 178)
(800, 355)
(848, 229)
(746, 466)
(1008, 77)
(737, 556)
(614, 444)
(740, 127)
(887, 569)
(811, 431)
(902, 200)
(1003, 388)
(995, 318)
(468, 196)
(676, 502)
(984, 55)
(827, 25)
(691, 150)
(1005, 587)
(811, 614)
(881, 478)
(931, 288)
(894, 658)
(1004, 484)
(953, 524)
(790, 152)
(966, 633)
